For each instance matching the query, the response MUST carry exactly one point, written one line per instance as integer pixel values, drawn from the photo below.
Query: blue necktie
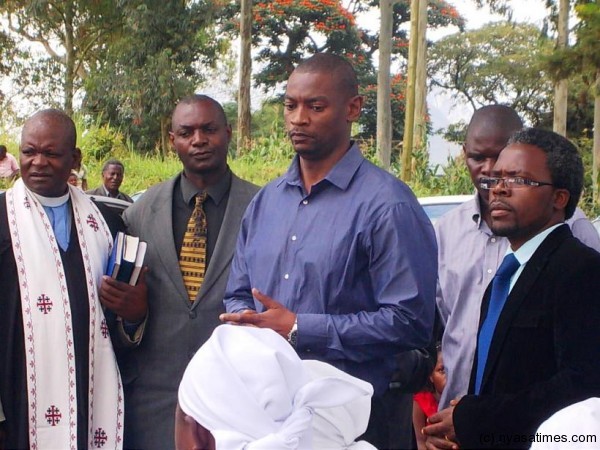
(500, 288)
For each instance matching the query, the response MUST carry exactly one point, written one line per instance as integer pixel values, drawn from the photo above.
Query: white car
(437, 206)
(115, 204)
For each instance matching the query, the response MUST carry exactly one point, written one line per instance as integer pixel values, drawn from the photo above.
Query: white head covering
(572, 424)
(250, 389)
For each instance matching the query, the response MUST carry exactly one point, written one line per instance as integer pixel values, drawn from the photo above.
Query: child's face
(73, 180)
(438, 376)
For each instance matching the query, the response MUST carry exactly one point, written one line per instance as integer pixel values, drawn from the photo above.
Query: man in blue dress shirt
(336, 255)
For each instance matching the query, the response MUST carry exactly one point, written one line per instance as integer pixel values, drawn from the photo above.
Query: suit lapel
(532, 270)
(160, 226)
(225, 245)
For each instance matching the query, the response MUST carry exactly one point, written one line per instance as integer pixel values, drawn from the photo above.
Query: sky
(444, 109)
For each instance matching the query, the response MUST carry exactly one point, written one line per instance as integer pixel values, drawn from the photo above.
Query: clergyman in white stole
(50, 354)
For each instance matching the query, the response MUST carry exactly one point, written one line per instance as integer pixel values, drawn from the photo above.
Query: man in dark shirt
(182, 313)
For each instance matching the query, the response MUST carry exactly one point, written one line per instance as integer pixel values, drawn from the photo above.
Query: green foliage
(456, 132)
(73, 34)
(368, 118)
(587, 203)
(150, 66)
(102, 142)
(580, 64)
(500, 63)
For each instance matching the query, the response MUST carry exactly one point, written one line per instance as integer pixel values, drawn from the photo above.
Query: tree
(7, 54)
(384, 88)
(72, 34)
(286, 31)
(498, 63)
(155, 62)
(582, 61)
(244, 111)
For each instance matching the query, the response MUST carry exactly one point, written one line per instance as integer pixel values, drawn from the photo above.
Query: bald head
(487, 134)
(337, 66)
(47, 152)
(496, 119)
(55, 118)
(201, 98)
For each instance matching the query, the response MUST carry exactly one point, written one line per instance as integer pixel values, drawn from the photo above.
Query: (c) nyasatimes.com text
(508, 439)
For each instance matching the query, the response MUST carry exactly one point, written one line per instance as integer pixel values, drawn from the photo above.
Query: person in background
(81, 171)
(190, 224)
(336, 255)
(59, 382)
(470, 252)
(426, 401)
(112, 178)
(536, 351)
(247, 388)
(9, 169)
(72, 179)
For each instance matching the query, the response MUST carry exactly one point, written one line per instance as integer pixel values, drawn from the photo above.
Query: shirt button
(286, 276)
(305, 202)
(493, 239)
(489, 271)
(294, 238)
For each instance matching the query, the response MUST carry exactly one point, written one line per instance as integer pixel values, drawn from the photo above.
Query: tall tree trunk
(384, 90)
(561, 89)
(420, 127)
(164, 137)
(69, 85)
(596, 146)
(409, 117)
(244, 114)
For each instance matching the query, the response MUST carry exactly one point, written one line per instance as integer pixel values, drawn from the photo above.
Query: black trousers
(390, 424)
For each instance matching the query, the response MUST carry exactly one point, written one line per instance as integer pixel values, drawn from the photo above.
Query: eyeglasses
(488, 183)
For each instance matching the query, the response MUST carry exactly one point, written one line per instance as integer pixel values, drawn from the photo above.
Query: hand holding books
(123, 289)
(125, 262)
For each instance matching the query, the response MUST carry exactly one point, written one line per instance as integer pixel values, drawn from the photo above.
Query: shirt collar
(526, 251)
(53, 202)
(108, 194)
(216, 192)
(340, 175)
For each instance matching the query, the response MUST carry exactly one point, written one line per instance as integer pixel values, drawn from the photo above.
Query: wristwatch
(293, 334)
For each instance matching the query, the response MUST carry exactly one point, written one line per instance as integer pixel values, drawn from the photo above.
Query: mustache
(294, 132)
(499, 205)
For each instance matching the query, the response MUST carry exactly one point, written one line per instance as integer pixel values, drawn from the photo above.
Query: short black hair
(563, 161)
(337, 66)
(112, 162)
(200, 98)
(3, 148)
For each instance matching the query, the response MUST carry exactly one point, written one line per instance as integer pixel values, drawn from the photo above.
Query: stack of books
(126, 259)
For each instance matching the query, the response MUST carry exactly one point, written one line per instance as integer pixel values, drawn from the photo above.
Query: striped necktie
(192, 259)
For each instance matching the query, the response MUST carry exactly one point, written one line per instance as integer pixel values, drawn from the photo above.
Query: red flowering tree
(286, 31)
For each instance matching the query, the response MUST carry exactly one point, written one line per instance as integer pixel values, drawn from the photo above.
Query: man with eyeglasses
(469, 252)
(537, 346)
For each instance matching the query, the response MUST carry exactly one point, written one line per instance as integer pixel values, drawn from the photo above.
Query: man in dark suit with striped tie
(537, 346)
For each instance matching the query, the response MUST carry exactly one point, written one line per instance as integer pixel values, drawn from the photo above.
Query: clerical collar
(52, 202)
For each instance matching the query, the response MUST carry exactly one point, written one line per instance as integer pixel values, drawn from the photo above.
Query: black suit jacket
(545, 352)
